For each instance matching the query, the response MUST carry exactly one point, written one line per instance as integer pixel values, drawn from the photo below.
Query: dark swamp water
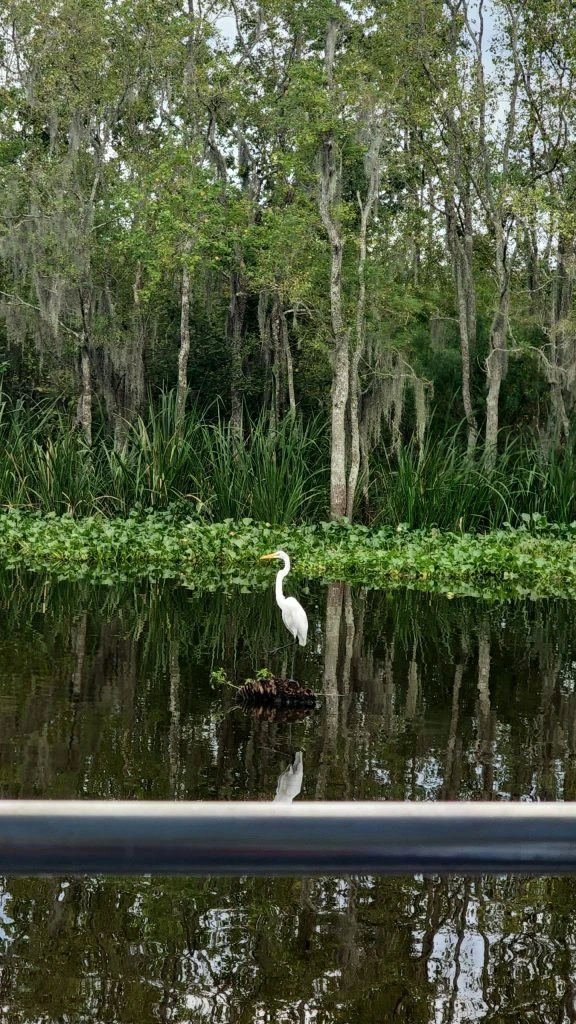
(106, 693)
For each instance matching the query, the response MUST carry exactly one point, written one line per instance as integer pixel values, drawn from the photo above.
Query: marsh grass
(201, 468)
(442, 486)
(545, 485)
(196, 467)
(439, 486)
(159, 464)
(276, 478)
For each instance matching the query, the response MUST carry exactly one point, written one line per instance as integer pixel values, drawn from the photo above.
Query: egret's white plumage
(293, 615)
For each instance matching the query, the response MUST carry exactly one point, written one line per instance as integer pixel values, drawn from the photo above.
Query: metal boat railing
(140, 837)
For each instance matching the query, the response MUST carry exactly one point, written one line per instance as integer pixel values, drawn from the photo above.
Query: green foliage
(440, 485)
(219, 678)
(277, 477)
(167, 147)
(198, 467)
(534, 559)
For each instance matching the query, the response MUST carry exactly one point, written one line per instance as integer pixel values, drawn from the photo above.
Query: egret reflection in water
(290, 781)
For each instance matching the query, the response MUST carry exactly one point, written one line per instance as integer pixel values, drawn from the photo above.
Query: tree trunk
(366, 211)
(532, 269)
(357, 354)
(123, 381)
(277, 374)
(461, 253)
(493, 176)
(330, 180)
(355, 454)
(84, 410)
(460, 237)
(467, 342)
(562, 343)
(266, 346)
(494, 375)
(236, 316)
(341, 354)
(184, 352)
(340, 390)
(497, 357)
(136, 388)
(84, 413)
(289, 363)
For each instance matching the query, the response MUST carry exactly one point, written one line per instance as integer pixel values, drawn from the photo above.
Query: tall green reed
(443, 486)
(199, 466)
(193, 465)
(274, 477)
(544, 483)
(439, 485)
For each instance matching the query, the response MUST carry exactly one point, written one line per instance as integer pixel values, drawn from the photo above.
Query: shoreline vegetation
(185, 501)
(200, 467)
(536, 560)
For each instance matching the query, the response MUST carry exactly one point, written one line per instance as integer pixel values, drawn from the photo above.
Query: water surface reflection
(107, 694)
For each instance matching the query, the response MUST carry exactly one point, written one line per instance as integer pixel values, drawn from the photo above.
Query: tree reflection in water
(108, 694)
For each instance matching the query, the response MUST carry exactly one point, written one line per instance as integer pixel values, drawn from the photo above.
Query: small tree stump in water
(275, 692)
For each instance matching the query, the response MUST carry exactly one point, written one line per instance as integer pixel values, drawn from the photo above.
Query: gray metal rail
(121, 837)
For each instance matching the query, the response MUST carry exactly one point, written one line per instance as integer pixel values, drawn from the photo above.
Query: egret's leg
(282, 647)
(294, 656)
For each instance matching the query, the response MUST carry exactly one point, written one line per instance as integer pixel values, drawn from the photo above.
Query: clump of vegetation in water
(537, 558)
(266, 689)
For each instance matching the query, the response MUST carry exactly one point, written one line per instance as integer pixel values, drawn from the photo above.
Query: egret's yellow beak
(264, 557)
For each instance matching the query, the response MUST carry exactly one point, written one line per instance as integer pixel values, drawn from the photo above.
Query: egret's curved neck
(279, 577)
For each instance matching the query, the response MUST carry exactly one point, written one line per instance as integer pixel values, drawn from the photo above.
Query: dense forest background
(358, 216)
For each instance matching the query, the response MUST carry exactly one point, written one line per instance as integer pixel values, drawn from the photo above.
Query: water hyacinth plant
(215, 556)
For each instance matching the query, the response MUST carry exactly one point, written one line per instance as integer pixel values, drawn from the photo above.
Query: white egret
(293, 615)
